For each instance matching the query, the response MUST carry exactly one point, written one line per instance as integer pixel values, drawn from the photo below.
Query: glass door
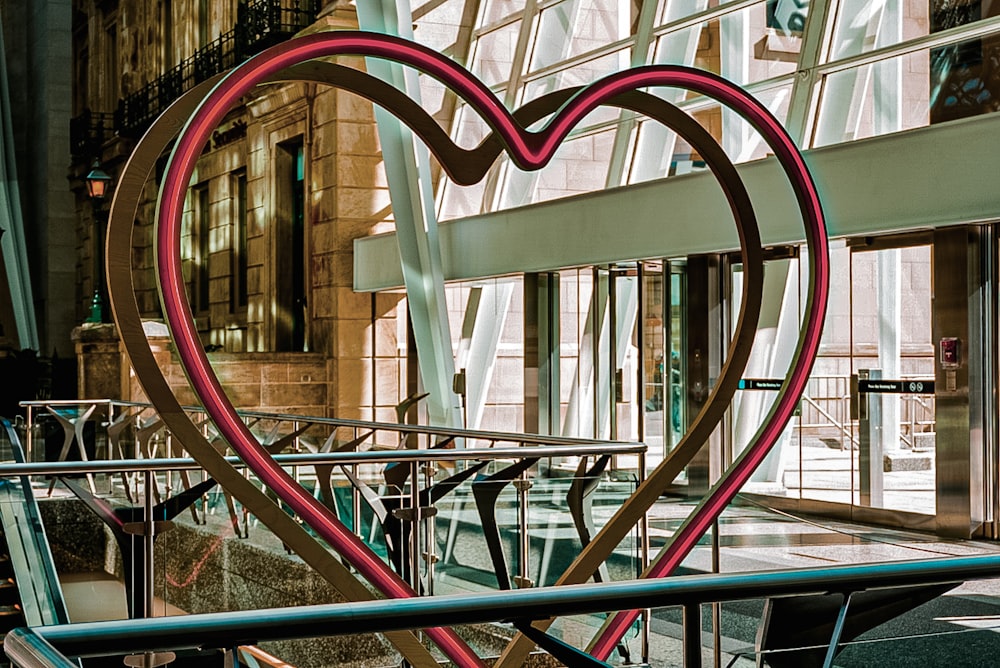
(771, 355)
(892, 382)
(664, 418)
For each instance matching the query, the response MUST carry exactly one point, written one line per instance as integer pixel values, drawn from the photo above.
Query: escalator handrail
(39, 588)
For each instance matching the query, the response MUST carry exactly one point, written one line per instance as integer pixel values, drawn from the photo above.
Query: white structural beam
(896, 182)
(485, 316)
(418, 254)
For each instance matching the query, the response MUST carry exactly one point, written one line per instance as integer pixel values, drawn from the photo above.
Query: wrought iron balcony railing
(259, 24)
(88, 132)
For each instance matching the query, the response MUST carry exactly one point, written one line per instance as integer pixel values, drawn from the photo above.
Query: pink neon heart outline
(529, 150)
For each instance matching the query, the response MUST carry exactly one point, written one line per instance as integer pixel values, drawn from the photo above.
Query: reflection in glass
(965, 79)
(875, 99)
(865, 25)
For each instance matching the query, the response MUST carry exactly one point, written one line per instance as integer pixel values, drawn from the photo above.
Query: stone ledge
(907, 461)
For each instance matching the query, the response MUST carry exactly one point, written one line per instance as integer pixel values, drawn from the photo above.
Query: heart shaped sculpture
(529, 150)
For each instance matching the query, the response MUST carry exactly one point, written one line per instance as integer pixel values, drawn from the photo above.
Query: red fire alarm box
(950, 352)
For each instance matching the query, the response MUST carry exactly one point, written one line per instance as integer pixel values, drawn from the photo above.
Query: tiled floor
(952, 630)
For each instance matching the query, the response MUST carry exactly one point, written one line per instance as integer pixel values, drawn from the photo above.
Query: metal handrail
(467, 434)
(311, 459)
(849, 433)
(845, 429)
(524, 447)
(29, 648)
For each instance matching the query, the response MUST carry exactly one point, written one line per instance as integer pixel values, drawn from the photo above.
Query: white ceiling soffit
(919, 179)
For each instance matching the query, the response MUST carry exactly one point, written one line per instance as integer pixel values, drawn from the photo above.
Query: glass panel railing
(172, 543)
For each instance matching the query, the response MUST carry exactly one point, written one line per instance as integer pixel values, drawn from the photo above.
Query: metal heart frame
(293, 60)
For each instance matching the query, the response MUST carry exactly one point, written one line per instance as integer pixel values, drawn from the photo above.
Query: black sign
(760, 384)
(895, 386)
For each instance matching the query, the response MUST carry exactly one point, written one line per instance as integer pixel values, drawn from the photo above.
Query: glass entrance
(865, 432)
(621, 354)
(892, 385)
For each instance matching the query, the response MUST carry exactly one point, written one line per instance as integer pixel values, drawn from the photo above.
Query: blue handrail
(230, 629)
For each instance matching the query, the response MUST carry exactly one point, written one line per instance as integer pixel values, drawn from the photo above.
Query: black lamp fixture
(98, 182)
(98, 186)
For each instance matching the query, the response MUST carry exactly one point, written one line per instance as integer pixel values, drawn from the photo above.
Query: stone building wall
(293, 383)
(351, 362)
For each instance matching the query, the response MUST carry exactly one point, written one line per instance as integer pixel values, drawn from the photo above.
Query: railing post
(838, 630)
(430, 539)
(524, 544)
(355, 494)
(415, 521)
(148, 539)
(644, 550)
(691, 620)
(30, 438)
(716, 606)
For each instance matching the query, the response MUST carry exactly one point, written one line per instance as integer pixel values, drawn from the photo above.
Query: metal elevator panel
(959, 438)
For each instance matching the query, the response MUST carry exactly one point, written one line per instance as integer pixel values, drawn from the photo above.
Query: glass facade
(832, 71)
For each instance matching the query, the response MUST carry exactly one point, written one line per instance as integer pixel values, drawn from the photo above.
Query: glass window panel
(865, 25)
(581, 75)
(579, 166)
(457, 298)
(787, 17)
(777, 331)
(460, 201)
(496, 10)
(432, 96)
(471, 129)
(499, 384)
(675, 10)
(494, 54)
(573, 27)
(909, 91)
(742, 46)
(436, 24)
(576, 354)
(964, 79)
(659, 152)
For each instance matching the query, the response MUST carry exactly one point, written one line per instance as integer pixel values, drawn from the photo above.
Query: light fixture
(98, 182)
